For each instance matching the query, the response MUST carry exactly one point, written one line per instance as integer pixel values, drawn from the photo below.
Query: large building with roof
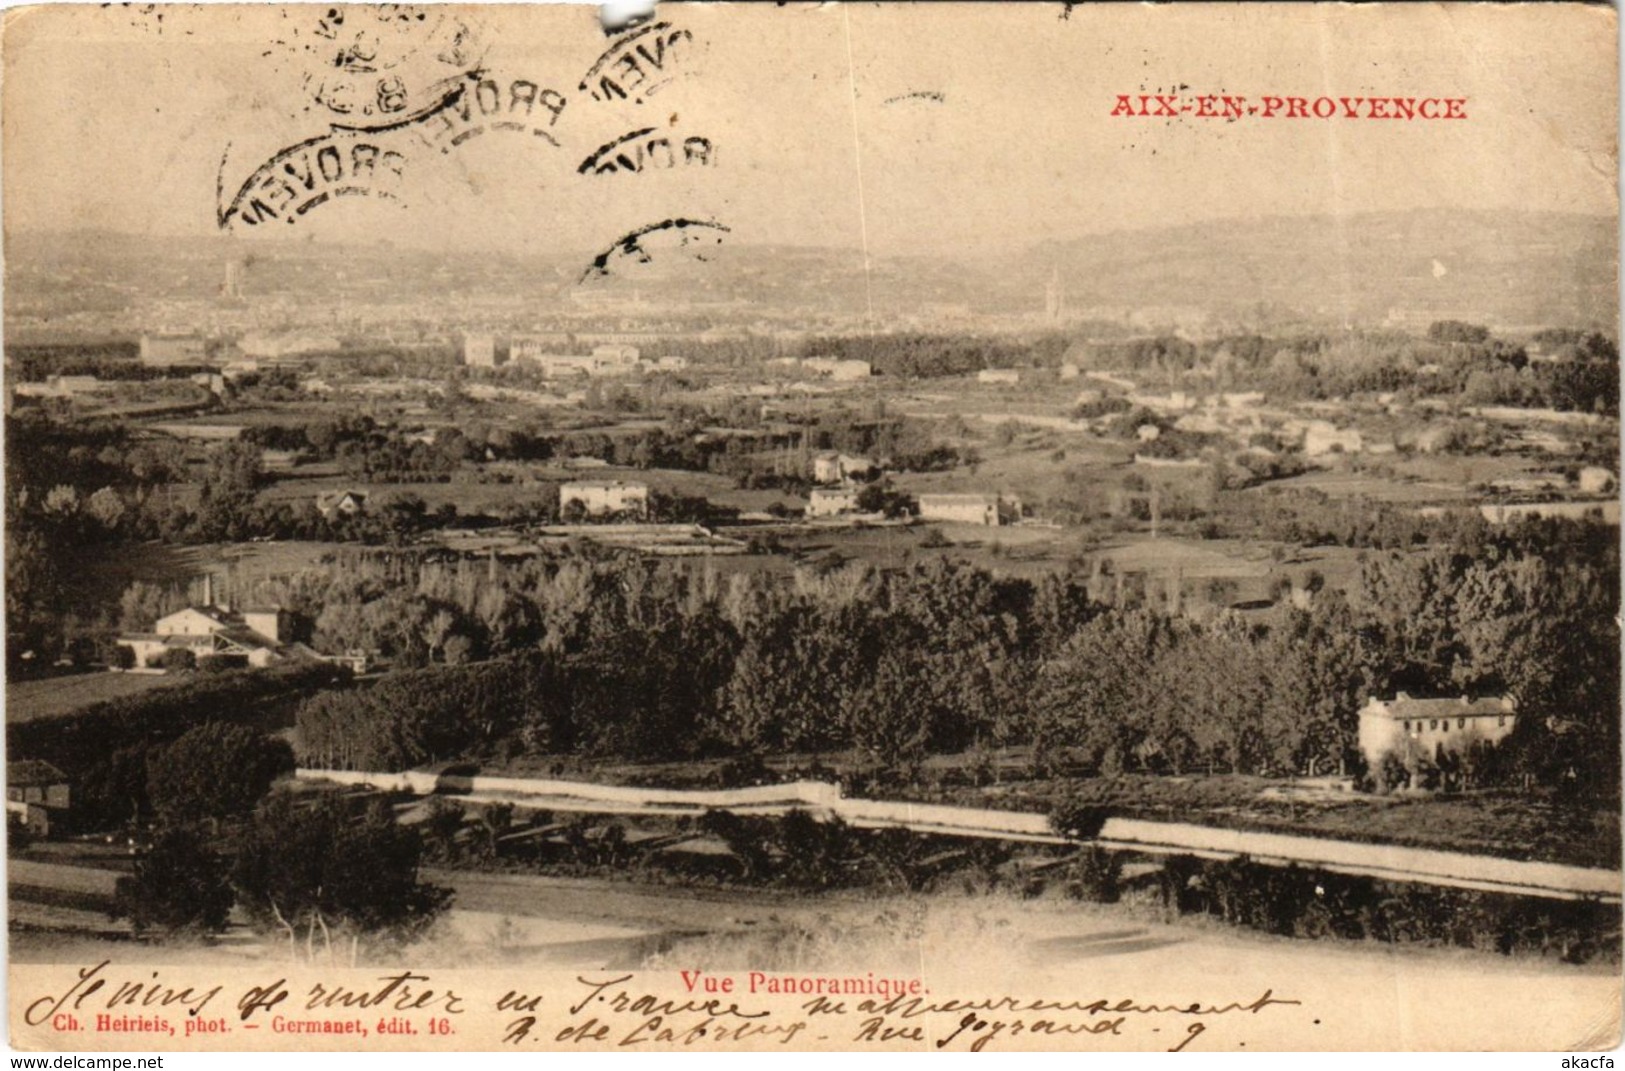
(249, 638)
(1409, 728)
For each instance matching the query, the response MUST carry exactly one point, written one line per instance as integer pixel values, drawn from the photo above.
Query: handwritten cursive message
(109, 1006)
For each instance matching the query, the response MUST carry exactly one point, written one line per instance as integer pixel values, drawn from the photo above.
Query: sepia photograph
(812, 527)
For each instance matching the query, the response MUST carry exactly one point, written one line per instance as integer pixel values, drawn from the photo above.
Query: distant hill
(1506, 269)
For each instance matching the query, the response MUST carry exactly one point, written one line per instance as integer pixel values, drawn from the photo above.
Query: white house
(1596, 480)
(253, 637)
(598, 497)
(1004, 376)
(831, 501)
(1407, 727)
(341, 503)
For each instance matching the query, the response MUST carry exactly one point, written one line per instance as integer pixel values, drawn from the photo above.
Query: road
(1388, 862)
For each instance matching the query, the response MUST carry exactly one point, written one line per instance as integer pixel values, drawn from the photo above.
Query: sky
(956, 129)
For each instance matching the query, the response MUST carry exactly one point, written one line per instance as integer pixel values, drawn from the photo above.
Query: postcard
(911, 527)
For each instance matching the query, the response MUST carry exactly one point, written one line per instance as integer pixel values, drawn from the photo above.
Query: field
(50, 696)
(1377, 488)
(101, 574)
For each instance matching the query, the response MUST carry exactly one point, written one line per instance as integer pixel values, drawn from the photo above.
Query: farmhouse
(34, 791)
(830, 501)
(833, 468)
(1404, 726)
(251, 638)
(1004, 376)
(341, 503)
(607, 360)
(598, 497)
(1596, 480)
(480, 351)
(991, 510)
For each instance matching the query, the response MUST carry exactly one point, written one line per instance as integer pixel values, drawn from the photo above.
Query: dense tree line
(929, 355)
(1454, 360)
(106, 361)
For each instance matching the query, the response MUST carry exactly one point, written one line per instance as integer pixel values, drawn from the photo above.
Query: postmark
(639, 64)
(496, 103)
(312, 173)
(375, 67)
(648, 148)
(694, 237)
(398, 85)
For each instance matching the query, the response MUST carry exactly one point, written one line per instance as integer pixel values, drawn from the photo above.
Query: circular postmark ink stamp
(677, 239)
(388, 64)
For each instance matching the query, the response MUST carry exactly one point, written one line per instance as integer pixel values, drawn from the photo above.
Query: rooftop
(1406, 706)
(30, 772)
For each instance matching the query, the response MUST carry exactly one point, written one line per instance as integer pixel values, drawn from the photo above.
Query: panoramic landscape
(1167, 591)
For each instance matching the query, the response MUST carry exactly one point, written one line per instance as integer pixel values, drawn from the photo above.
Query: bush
(178, 660)
(327, 868)
(1078, 821)
(745, 771)
(215, 771)
(1311, 903)
(1096, 876)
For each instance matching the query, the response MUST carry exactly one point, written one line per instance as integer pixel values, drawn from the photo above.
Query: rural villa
(250, 638)
(1404, 726)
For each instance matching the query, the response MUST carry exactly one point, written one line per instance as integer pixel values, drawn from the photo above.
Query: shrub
(1078, 821)
(1096, 876)
(179, 884)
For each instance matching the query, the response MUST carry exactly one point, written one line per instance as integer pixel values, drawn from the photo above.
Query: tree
(106, 508)
(226, 496)
(215, 771)
(179, 885)
(325, 868)
(142, 604)
(179, 660)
